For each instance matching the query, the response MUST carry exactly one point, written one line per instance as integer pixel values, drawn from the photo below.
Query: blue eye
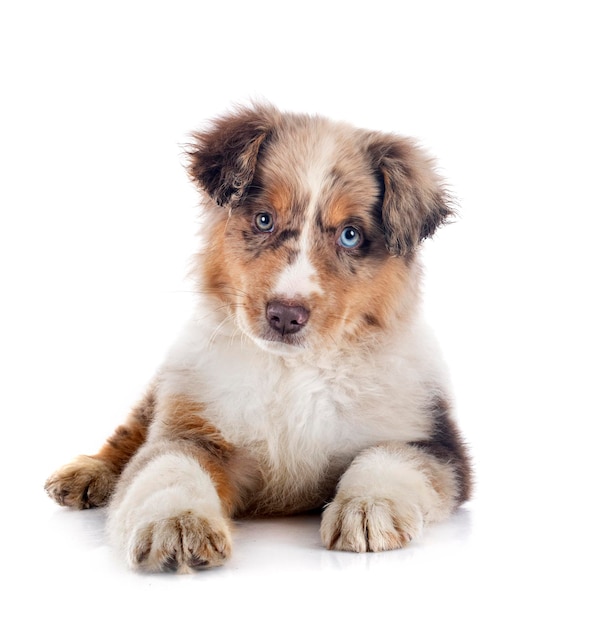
(350, 238)
(264, 222)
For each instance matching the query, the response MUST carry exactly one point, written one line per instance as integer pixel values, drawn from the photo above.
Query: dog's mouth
(282, 345)
(286, 340)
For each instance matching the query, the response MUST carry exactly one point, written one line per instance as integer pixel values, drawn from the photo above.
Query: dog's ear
(222, 158)
(415, 202)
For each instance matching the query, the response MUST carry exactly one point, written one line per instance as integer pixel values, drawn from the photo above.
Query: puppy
(306, 378)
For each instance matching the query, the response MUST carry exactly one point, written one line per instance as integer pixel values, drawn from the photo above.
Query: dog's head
(313, 225)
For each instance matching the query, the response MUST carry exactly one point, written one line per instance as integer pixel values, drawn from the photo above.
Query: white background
(97, 227)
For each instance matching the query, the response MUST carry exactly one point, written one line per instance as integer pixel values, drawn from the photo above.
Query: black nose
(286, 319)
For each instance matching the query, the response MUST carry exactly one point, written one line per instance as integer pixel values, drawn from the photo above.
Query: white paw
(168, 517)
(181, 543)
(367, 524)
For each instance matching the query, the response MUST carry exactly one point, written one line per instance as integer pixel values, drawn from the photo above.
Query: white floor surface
(490, 564)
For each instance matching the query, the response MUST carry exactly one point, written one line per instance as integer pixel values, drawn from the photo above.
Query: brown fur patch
(415, 203)
(231, 471)
(280, 197)
(127, 438)
(180, 419)
(222, 159)
(222, 479)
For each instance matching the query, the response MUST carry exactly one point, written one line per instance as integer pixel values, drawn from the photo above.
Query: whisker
(226, 290)
(233, 335)
(213, 312)
(216, 332)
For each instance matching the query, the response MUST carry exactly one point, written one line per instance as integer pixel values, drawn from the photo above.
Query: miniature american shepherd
(306, 378)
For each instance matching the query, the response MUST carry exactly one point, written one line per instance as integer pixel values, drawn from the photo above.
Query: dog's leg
(89, 481)
(172, 506)
(387, 495)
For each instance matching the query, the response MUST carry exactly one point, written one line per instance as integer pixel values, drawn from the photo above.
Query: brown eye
(264, 222)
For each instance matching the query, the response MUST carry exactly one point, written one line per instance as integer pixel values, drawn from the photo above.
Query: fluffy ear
(415, 203)
(222, 159)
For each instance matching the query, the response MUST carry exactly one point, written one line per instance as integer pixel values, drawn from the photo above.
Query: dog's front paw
(181, 543)
(364, 524)
(84, 483)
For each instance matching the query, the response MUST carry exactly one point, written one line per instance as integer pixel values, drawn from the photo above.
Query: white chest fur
(306, 409)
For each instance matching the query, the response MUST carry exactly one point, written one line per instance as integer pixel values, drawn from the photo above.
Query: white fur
(384, 499)
(396, 474)
(298, 280)
(323, 403)
(169, 486)
(315, 169)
